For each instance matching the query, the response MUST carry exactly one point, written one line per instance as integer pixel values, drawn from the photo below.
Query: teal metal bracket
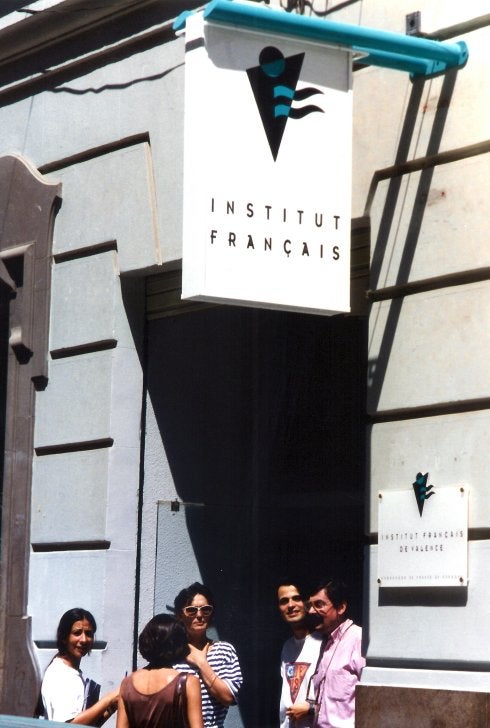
(417, 56)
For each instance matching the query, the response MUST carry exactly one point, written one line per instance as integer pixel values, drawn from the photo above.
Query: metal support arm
(418, 56)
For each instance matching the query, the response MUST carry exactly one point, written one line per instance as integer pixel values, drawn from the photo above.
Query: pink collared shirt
(337, 676)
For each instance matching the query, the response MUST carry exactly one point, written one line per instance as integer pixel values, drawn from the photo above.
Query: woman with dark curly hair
(67, 696)
(149, 698)
(215, 661)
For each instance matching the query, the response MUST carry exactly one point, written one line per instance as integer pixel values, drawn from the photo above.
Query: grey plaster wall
(134, 193)
(112, 137)
(428, 384)
(453, 221)
(438, 353)
(383, 102)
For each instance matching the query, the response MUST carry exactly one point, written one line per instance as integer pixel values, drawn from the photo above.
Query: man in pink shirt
(339, 669)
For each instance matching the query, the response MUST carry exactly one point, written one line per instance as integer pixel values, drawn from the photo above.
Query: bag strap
(179, 703)
(182, 689)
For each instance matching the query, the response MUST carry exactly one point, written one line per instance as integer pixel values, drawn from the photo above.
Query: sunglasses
(295, 598)
(206, 610)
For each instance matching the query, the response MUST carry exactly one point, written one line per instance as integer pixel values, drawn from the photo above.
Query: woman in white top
(68, 696)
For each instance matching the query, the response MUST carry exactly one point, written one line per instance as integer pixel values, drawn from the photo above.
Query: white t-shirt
(63, 691)
(298, 662)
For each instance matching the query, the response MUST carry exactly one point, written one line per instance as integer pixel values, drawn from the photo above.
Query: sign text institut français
(267, 170)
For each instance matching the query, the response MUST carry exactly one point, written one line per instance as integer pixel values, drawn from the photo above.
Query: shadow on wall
(261, 415)
(378, 368)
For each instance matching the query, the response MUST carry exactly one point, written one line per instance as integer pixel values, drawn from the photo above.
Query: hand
(196, 657)
(113, 698)
(298, 710)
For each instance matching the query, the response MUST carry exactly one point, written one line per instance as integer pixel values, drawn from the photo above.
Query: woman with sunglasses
(215, 662)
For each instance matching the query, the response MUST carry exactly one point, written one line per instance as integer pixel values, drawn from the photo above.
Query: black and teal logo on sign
(422, 491)
(274, 83)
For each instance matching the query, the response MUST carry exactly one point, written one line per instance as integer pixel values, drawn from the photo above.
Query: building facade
(427, 386)
(150, 442)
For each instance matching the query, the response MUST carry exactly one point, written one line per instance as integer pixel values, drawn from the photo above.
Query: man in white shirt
(299, 658)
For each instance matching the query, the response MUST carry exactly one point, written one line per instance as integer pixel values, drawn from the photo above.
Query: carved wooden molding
(27, 208)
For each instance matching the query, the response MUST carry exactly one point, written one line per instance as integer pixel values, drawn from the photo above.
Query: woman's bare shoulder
(150, 681)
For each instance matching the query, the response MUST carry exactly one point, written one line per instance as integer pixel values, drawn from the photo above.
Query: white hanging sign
(267, 170)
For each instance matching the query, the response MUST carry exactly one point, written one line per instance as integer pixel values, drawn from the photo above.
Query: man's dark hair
(163, 642)
(336, 589)
(77, 614)
(290, 580)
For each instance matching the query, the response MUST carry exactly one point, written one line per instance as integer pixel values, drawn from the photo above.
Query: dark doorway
(261, 414)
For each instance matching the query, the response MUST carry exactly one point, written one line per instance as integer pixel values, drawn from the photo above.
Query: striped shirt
(223, 659)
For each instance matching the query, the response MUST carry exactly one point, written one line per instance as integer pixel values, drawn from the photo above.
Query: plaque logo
(421, 490)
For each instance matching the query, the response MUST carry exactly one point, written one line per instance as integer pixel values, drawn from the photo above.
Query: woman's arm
(194, 710)
(122, 717)
(217, 687)
(99, 712)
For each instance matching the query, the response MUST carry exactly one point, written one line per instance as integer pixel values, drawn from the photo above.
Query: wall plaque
(423, 536)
